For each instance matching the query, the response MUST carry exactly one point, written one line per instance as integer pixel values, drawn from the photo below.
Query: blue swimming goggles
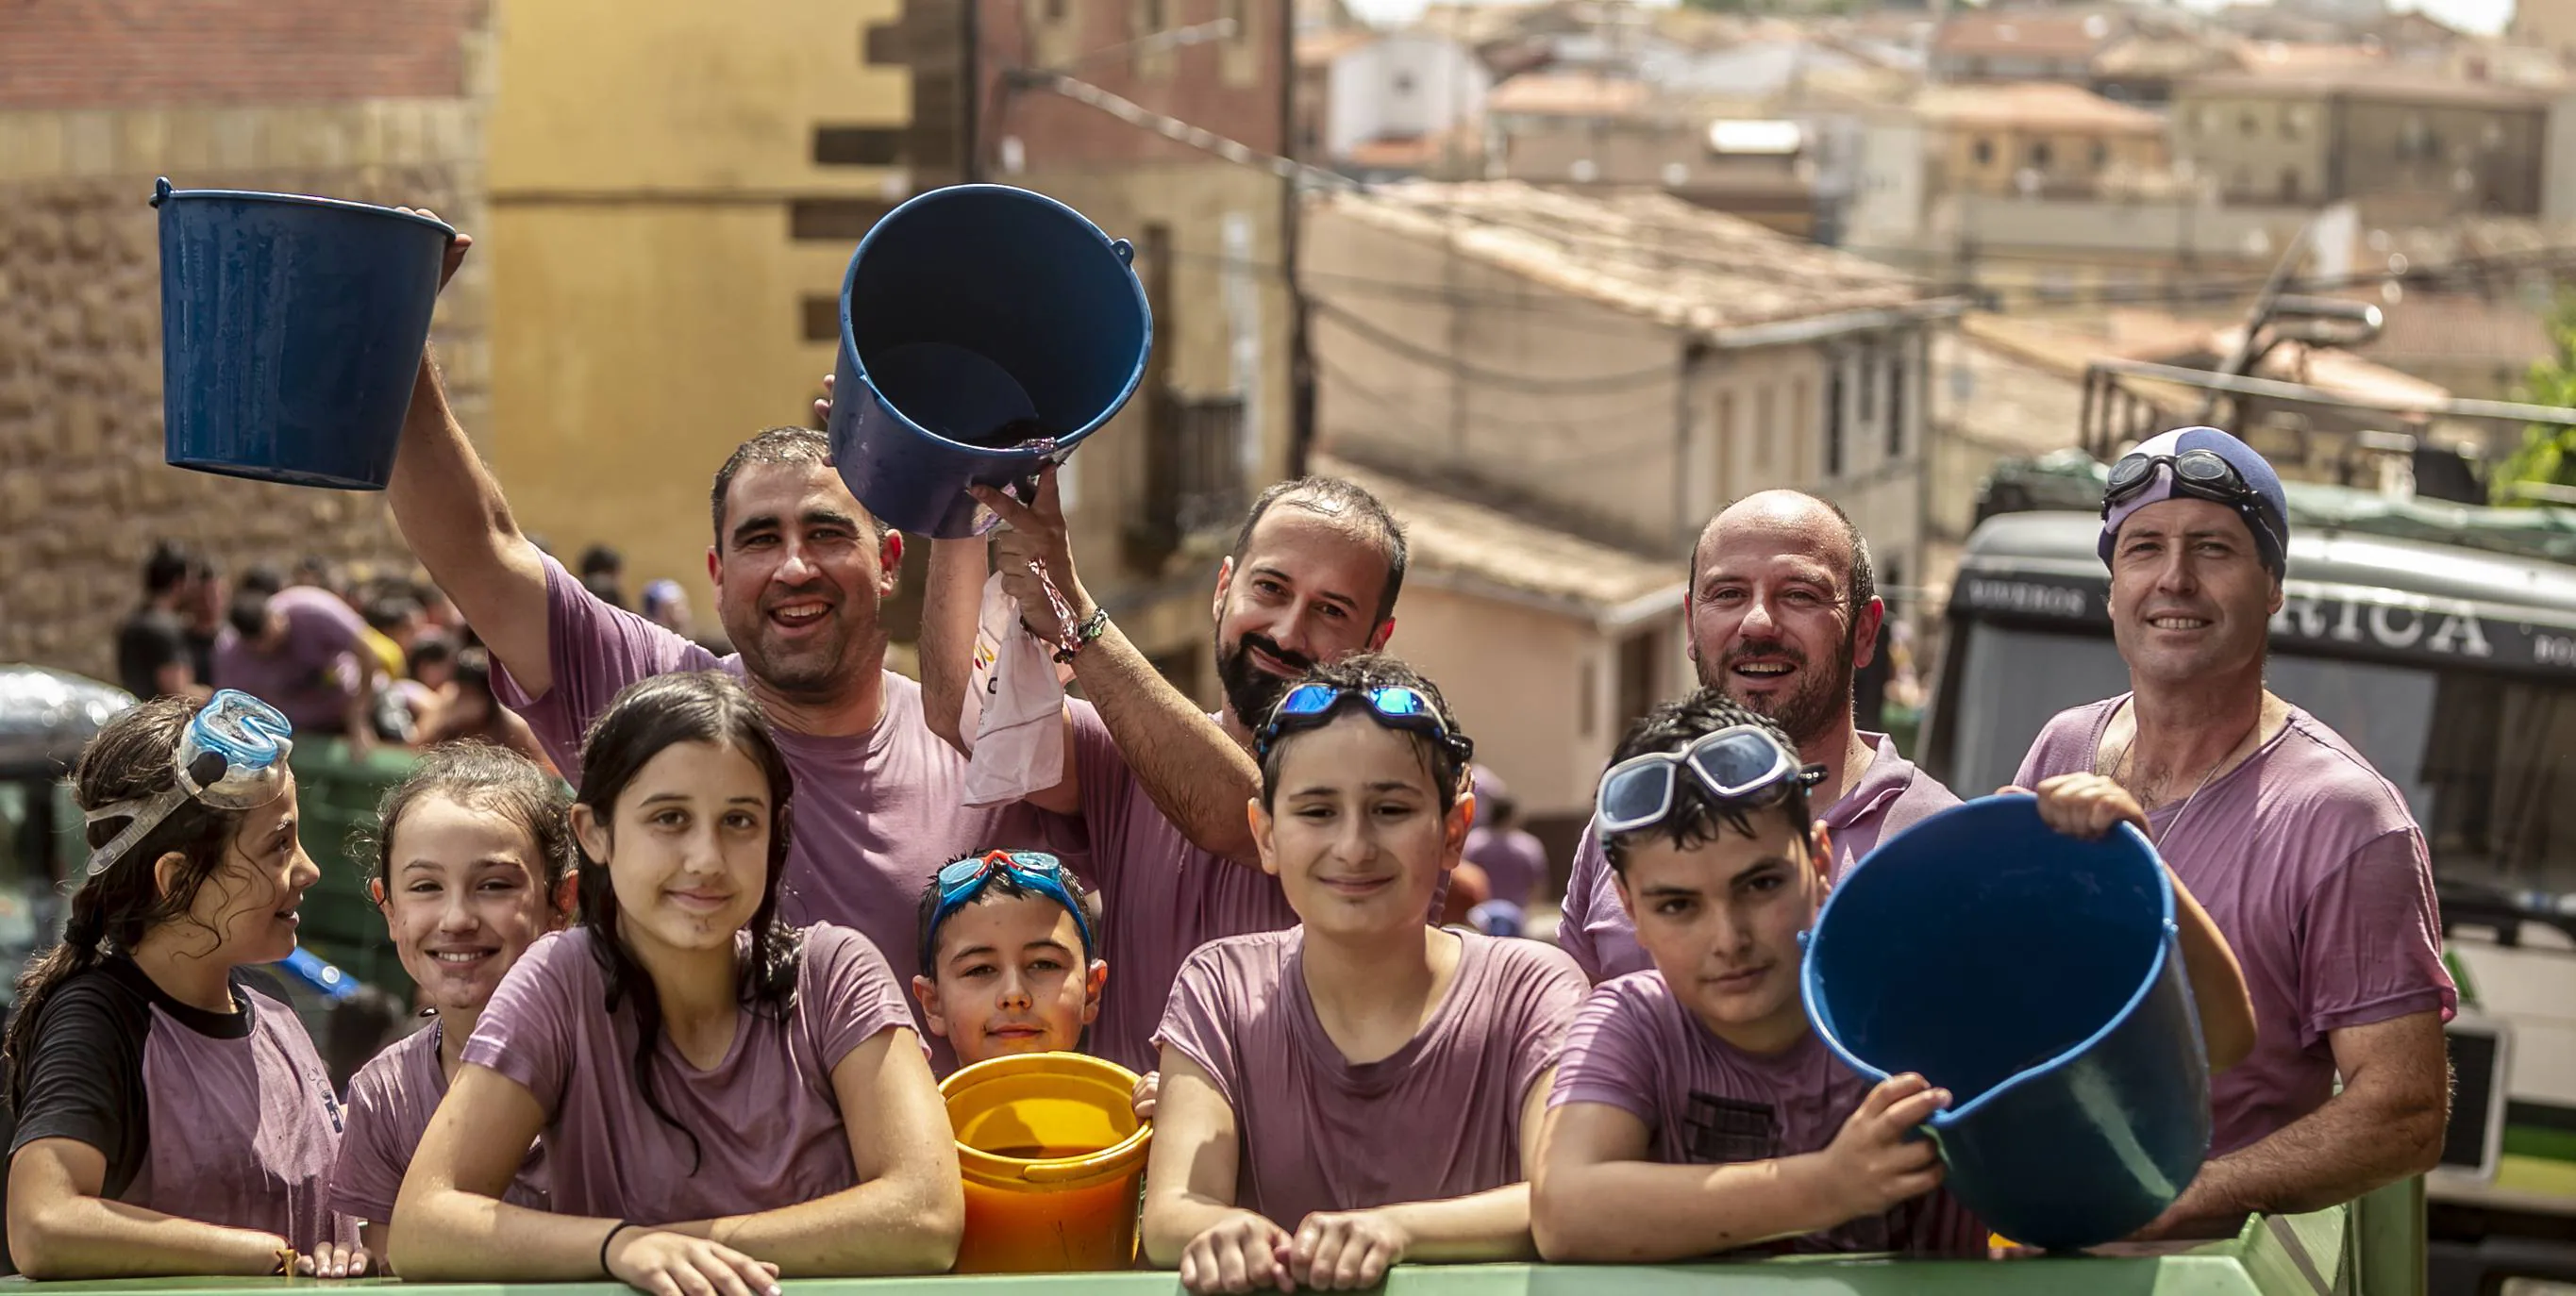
(1310, 706)
(231, 755)
(960, 881)
(1738, 766)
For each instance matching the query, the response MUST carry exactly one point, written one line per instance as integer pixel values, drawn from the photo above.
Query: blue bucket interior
(1979, 945)
(994, 317)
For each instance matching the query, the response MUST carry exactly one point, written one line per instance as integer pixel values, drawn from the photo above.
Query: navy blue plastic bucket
(2040, 980)
(985, 330)
(291, 330)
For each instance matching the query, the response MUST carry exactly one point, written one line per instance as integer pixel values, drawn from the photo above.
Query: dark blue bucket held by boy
(985, 331)
(291, 332)
(2040, 979)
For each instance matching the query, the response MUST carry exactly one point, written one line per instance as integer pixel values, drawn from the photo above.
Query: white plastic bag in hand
(1014, 707)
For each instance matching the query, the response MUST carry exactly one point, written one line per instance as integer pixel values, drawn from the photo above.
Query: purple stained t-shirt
(1513, 860)
(1892, 795)
(766, 1120)
(390, 1102)
(1438, 1118)
(1635, 1046)
(1162, 897)
(2316, 874)
(875, 814)
(225, 1118)
(316, 673)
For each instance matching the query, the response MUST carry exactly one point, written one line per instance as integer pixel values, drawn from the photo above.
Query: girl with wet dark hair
(170, 1118)
(473, 863)
(724, 1099)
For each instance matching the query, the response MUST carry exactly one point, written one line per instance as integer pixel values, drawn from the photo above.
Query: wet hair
(1696, 818)
(642, 721)
(1000, 886)
(113, 909)
(1346, 502)
(778, 445)
(1862, 576)
(482, 777)
(1368, 671)
(166, 568)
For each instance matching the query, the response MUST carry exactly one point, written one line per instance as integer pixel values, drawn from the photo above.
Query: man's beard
(1821, 700)
(1253, 692)
(817, 672)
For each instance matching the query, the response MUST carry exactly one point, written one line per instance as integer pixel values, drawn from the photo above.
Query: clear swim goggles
(1739, 766)
(231, 756)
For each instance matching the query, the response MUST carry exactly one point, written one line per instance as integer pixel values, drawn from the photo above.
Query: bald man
(1783, 610)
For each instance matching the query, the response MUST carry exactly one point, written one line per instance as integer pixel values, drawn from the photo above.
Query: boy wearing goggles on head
(1007, 962)
(1362, 1088)
(1708, 1059)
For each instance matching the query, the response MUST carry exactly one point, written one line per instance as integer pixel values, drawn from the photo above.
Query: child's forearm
(1644, 1211)
(886, 1226)
(1492, 1225)
(1174, 1220)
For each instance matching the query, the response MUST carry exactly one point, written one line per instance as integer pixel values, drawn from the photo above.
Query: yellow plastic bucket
(1054, 1160)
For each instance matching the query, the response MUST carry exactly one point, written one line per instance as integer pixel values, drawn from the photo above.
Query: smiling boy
(1006, 957)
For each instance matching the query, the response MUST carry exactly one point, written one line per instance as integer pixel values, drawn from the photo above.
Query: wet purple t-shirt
(1438, 1118)
(766, 1120)
(1162, 897)
(875, 814)
(1637, 1047)
(316, 673)
(2315, 873)
(390, 1102)
(1892, 795)
(1514, 862)
(224, 1118)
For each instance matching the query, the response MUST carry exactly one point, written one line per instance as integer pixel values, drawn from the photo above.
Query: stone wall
(84, 493)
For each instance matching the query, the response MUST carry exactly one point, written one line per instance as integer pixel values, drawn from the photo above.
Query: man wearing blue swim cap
(2307, 859)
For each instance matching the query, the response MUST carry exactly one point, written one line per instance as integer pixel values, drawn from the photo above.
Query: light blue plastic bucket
(985, 331)
(291, 331)
(2039, 978)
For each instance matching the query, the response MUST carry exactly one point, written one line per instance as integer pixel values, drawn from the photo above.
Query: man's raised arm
(452, 515)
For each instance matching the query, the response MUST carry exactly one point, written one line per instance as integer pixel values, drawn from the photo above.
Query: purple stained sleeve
(1107, 788)
(1609, 1056)
(369, 1173)
(592, 651)
(861, 999)
(1555, 993)
(525, 1032)
(2373, 950)
(1195, 1023)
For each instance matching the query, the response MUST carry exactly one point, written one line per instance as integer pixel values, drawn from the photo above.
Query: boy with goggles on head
(1708, 1059)
(1008, 961)
(1363, 1088)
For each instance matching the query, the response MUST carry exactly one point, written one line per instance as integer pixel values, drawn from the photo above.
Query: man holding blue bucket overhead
(801, 571)
(1783, 608)
(2306, 858)
(1313, 578)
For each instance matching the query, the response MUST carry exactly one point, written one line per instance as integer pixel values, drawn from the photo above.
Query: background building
(2407, 146)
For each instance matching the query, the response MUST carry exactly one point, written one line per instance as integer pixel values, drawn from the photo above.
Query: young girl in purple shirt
(473, 863)
(1362, 1088)
(171, 1119)
(724, 1099)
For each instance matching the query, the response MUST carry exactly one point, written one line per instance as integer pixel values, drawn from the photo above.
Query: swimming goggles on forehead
(960, 881)
(1396, 706)
(1739, 766)
(2202, 474)
(231, 755)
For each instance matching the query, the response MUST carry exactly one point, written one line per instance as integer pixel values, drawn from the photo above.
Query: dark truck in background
(2441, 641)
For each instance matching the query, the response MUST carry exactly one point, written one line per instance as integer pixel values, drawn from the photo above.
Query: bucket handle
(160, 190)
(1065, 1172)
(1126, 251)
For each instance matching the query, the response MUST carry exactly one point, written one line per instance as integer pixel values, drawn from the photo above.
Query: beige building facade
(2409, 148)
